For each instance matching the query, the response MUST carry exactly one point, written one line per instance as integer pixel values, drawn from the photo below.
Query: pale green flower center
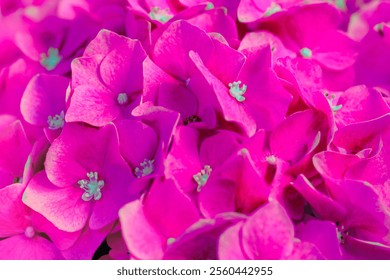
(51, 59)
(122, 98)
(57, 121)
(271, 159)
(306, 52)
(92, 187)
(161, 15)
(202, 177)
(272, 9)
(146, 168)
(209, 6)
(237, 91)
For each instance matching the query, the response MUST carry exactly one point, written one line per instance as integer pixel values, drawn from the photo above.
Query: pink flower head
(83, 180)
(102, 89)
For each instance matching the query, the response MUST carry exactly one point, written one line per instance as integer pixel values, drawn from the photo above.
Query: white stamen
(122, 98)
(202, 177)
(236, 91)
(29, 232)
(57, 121)
(146, 168)
(306, 52)
(161, 15)
(271, 159)
(51, 60)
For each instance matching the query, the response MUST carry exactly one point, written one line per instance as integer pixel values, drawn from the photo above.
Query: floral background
(185, 129)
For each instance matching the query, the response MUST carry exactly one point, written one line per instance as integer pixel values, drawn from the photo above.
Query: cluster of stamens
(57, 121)
(161, 15)
(272, 9)
(92, 187)
(122, 98)
(202, 177)
(51, 60)
(237, 91)
(306, 53)
(146, 168)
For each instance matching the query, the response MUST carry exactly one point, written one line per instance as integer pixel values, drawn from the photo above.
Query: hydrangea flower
(84, 179)
(102, 91)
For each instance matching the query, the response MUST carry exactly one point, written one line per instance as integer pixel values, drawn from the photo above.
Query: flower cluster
(192, 129)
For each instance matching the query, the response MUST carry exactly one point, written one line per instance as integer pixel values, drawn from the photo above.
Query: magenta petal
(229, 245)
(161, 119)
(250, 187)
(232, 110)
(13, 213)
(267, 100)
(141, 238)
(44, 96)
(20, 247)
(67, 153)
(200, 241)
(183, 161)
(215, 154)
(338, 53)
(14, 150)
(49, 200)
(323, 235)
(250, 11)
(226, 63)
(172, 48)
(87, 244)
(138, 141)
(116, 67)
(360, 104)
(302, 128)
(268, 233)
(365, 213)
(178, 98)
(333, 165)
(364, 250)
(217, 196)
(115, 194)
(169, 210)
(61, 239)
(357, 136)
(217, 20)
(305, 251)
(323, 205)
(84, 70)
(94, 105)
(376, 171)
(123, 60)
